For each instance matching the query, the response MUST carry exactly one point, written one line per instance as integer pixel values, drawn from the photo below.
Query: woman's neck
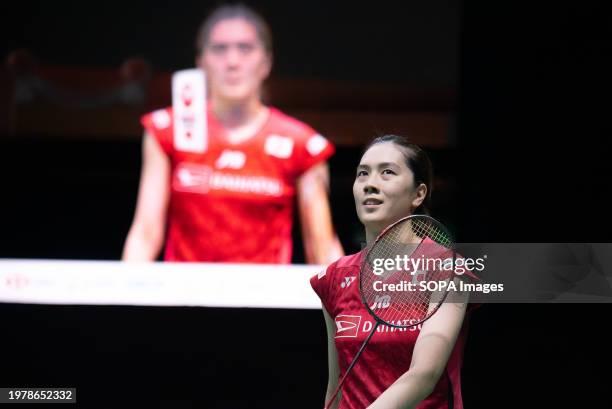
(372, 232)
(237, 115)
(241, 121)
(371, 235)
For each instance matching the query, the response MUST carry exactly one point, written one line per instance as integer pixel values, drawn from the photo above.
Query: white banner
(158, 284)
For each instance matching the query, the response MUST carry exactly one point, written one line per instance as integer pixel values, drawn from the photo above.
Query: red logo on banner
(16, 281)
(187, 95)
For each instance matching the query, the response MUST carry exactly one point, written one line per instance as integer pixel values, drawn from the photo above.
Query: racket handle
(348, 370)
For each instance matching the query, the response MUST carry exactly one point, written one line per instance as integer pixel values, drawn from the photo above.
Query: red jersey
(234, 202)
(389, 350)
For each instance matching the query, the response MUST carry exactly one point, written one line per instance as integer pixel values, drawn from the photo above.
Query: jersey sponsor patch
(381, 302)
(189, 177)
(161, 119)
(347, 326)
(279, 146)
(192, 178)
(316, 144)
(231, 159)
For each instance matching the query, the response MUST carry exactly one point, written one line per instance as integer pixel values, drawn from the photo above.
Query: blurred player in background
(233, 202)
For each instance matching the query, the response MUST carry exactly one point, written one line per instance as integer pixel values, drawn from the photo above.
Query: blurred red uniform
(234, 202)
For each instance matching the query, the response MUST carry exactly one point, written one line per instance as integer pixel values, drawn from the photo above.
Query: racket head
(426, 252)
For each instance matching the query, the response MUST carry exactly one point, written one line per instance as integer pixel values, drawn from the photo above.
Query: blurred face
(384, 188)
(235, 60)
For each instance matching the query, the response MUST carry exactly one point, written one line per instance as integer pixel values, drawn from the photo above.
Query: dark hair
(232, 11)
(417, 161)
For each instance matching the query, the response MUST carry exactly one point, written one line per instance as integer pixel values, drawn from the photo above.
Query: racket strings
(424, 229)
(415, 240)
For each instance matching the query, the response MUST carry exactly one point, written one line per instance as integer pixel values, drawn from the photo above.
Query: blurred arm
(332, 360)
(146, 235)
(321, 244)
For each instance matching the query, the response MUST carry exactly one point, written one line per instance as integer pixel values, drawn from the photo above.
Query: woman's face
(384, 187)
(235, 60)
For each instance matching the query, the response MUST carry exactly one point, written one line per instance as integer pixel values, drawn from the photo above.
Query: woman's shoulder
(329, 280)
(158, 119)
(350, 260)
(283, 123)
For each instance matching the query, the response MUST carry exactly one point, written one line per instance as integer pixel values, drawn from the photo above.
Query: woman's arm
(332, 360)
(321, 244)
(146, 236)
(431, 352)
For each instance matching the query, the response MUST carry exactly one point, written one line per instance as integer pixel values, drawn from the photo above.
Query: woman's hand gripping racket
(414, 283)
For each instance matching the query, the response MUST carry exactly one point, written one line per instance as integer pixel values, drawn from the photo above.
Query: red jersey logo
(347, 326)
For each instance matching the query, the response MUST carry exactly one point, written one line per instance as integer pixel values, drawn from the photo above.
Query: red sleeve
(322, 285)
(159, 125)
(311, 149)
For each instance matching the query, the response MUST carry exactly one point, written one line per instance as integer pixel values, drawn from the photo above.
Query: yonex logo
(347, 326)
(347, 282)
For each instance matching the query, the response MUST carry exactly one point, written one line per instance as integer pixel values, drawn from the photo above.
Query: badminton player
(399, 368)
(233, 203)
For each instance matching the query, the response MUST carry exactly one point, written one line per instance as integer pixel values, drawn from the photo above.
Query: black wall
(533, 124)
(415, 42)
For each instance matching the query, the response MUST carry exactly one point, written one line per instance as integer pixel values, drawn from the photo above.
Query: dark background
(531, 164)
